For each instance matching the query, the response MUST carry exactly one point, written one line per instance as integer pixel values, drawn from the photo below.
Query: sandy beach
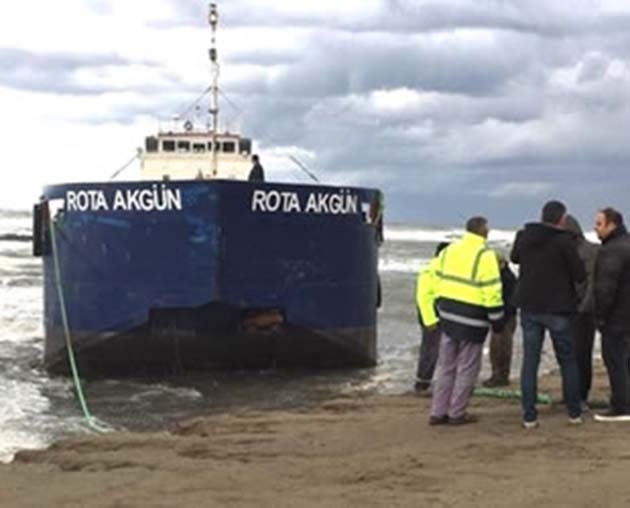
(373, 451)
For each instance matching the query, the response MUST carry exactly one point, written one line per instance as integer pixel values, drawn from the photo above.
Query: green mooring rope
(91, 421)
(502, 393)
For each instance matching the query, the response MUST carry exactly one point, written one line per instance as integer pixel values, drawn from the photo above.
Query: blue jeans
(534, 326)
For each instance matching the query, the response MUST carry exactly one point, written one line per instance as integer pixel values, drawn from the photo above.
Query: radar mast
(213, 110)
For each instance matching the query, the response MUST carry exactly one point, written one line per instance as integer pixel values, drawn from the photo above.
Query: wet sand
(374, 451)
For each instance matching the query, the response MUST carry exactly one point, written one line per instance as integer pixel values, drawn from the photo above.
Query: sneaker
(530, 425)
(463, 420)
(612, 416)
(438, 420)
(578, 420)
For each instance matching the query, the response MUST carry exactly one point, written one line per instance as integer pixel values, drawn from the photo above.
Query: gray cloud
(102, 7)
(56, 72)
(537, 17)
(338, 64)
(501, 103)
(269, 57)
(522, 120)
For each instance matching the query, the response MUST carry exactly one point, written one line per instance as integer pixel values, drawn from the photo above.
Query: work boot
(438, 420)
(494, 382)
(463, 420)
(422, 389)
(420, 386)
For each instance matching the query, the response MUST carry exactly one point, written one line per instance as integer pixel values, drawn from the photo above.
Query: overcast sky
(451, 107)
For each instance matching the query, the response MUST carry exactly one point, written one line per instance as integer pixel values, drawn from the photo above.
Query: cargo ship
(197, 267)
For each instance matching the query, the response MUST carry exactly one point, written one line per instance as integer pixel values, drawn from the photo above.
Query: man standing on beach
(612, 309)
(584, 321)
(550, 269)
(468, 292)
(501, 343)
(429, 323)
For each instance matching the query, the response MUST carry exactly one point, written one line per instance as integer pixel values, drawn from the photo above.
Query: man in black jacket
(612, 309)
(584, 320)
(549, 271)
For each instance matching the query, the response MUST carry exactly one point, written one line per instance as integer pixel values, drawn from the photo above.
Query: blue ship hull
(162, 277)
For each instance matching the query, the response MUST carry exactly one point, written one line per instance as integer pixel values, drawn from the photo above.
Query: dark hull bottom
(177, 342)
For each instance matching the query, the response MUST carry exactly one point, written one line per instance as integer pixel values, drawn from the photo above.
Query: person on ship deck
(257, 173)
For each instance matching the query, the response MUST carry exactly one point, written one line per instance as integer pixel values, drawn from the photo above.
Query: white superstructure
(190, 154)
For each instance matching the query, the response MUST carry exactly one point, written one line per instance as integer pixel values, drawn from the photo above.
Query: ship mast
(213, 19)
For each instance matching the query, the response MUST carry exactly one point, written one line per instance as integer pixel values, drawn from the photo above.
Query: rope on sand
(503, 393)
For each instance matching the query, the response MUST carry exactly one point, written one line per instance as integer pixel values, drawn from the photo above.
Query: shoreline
(371, 450)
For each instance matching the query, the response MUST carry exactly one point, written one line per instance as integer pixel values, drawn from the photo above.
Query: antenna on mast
(213, 20)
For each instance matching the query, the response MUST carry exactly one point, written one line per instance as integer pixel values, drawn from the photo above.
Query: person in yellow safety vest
(430, 342)
(467, 289)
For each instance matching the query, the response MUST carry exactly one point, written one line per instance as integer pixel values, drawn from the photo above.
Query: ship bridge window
(229, 146)
(151, 144)
(245, 146)
(199, 147)
(183, 146)
(168, 146)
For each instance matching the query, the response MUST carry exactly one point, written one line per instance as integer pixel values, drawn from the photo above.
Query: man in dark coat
(584, 322)
(257, 174)
(550, 269)
(612, 309)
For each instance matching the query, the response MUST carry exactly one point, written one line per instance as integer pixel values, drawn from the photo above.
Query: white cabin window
(151, 144)
(229, 146)
(245, 146)
(168, 146)
(199, 147)
(183, 146)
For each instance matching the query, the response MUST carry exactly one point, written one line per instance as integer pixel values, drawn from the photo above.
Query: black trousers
(429, 348)
(584, 333)
(615, 352)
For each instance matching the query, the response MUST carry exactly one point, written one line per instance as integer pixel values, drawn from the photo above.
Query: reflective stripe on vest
(473, 275)
(456, 318)
(468, 282)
